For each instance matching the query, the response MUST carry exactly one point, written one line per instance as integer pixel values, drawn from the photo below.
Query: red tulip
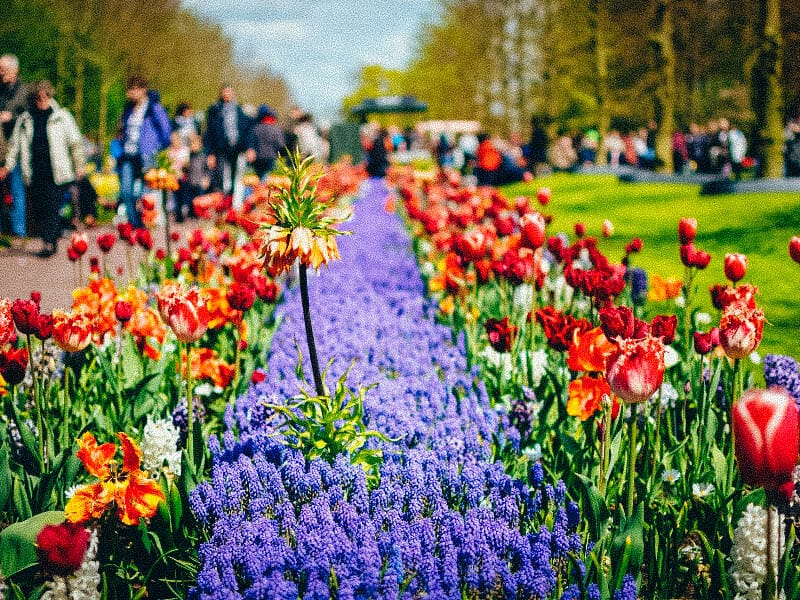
(125, 231)
(635, 369)
(635, 245)
(123, 310)
(13, 365)
(61, 548)
(692, 257)
(740, 329)
(543, 196)
(37, 297)
(471, 246)
(106, 242)
(79, 242)
(144, 238)
(43, 328)
(794, 248)
(559, 328)
(161, 254)
(258, 376)
(184, 310)
(241, 296)
(580, 229)
(7, 329)
(501, 334)
(735, 266)
(617, 322)
(765, 426)
(687, 230)
(723, 296)
(532, 226)
(25, 314)
(663, 326)
(705, 342)
(72, 254)
(175, 236)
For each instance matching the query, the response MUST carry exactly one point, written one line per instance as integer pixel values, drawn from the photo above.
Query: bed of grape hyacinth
(442, 520)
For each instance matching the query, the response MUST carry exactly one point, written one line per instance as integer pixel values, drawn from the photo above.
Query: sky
(319, 46)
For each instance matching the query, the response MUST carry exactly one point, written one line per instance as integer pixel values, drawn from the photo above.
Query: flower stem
(67, 409)
(189, 405)
(632, 460)
(605, 456)
(312, 349)
(166, 221)
(769, 592)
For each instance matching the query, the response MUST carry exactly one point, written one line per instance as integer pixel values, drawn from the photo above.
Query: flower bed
(442, 519)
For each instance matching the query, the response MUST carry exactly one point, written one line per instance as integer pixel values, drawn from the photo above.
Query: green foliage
(758, 225)
(332, 424)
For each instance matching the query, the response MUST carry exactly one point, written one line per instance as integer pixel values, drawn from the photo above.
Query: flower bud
(794, 248)
(635, 369)
(687, 230)
(735, 266)
(766, 437)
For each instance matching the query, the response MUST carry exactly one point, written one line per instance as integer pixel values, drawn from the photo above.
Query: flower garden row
(519, 422)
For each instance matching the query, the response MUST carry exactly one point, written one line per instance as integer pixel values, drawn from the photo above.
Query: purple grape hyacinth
(443, 521)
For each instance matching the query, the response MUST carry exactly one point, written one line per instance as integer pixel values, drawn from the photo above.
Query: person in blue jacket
(145, 128)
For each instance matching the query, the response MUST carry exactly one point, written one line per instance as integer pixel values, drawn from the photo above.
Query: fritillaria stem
(312, 349)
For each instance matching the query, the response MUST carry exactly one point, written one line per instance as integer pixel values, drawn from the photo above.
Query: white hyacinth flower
(160, 444)
(533, 453)
(671, 357)
(680, 302)
(499, 361)
(523, 296)
(748, 554)
(702, 318)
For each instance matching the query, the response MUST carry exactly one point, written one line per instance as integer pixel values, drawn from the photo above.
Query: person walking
(145, 129)
(13, 102)
(225, 139)
(48, 147)
(266, 141)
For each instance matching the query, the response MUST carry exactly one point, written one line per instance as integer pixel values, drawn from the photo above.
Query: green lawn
(758, 225)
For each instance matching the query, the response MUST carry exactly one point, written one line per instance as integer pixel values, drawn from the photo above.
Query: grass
(758, 225)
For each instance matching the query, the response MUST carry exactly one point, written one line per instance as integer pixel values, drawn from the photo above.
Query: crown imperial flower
(301, 224)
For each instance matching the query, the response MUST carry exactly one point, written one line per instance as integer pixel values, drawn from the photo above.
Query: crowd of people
(43, 154)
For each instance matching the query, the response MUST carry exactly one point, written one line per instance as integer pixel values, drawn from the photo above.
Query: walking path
(22, 272)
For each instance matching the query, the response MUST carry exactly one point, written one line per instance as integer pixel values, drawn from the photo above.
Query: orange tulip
(588, 351)
(135, 495)
(585, 396)
(72, 332)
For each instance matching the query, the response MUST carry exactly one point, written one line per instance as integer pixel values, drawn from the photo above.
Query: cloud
(319, 46)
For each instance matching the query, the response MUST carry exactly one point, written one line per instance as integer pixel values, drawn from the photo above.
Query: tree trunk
(600, 22)
(766, 91)
(61, 64)
(79, 81)
(667, 87)
(102, 127)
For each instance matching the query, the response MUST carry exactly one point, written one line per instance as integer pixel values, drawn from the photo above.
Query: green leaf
(29, 441)
(21, 503)
(627, 547)
(18, 542)
(720, 469)
(598, 513)
(5, 477)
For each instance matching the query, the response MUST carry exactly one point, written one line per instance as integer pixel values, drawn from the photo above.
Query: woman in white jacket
(48, 146)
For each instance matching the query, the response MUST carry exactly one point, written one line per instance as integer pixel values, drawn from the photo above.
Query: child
(197, 178)
(178, 155)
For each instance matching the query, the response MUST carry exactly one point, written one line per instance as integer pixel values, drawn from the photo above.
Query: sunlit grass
(758, 225)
